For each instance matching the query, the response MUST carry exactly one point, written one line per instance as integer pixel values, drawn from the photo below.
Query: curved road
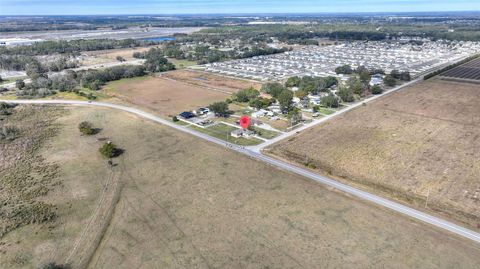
(413, 213)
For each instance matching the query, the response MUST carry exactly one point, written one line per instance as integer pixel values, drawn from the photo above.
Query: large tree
(390, 81)
(220, 109)
(274, 89)
(156, 62)
(285, 100)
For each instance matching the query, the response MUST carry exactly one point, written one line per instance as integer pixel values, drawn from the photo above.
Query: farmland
(183, 203)
(163, 96)
(467, 72)
(418, 142)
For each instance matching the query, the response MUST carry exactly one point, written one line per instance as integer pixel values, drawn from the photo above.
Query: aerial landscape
(239, 134)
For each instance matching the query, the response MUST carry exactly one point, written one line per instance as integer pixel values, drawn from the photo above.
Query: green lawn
(263, 133)
(181, 64)
(6, 81)
(222, 131)
(326, 111)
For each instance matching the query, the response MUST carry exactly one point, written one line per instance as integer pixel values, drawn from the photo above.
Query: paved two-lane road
(413, 213)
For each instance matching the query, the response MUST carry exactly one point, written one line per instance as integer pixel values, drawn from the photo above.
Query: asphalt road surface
(413, 213)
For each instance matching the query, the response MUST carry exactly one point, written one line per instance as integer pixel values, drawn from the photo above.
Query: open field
(164, 96)
(108, 56)
(186, 203)
(54, 166)
(181, 64)
(416, 142)
(209, 80)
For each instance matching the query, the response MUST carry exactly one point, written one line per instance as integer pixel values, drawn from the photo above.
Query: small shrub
(52, 265)
(9, 133)
(86, 128)
(376, 89)
(109, 150)
(175, 119)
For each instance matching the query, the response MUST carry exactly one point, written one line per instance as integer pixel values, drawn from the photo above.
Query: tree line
(72, 46)
(70, 81)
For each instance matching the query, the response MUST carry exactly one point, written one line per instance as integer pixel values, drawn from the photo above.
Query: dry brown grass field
(212, 81)
(423, 140)
(50, 155)
(163, 96)
(186, 203)
(107, 56)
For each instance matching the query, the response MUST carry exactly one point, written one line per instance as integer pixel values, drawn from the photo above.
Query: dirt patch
(212, 81)
(164, 96)
(418, 142)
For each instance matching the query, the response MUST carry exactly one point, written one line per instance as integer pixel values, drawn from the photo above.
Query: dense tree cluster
(156, 62)
(246, 95)
(43, 85)
(29, 63)
(405, 75)
(344, 69)
(389, 81)
(203, 54)
(330, 100)
(94, 79)
(72, 46)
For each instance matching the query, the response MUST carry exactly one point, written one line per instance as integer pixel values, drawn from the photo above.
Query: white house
(242, 133)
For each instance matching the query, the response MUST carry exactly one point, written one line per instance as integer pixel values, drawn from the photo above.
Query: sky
(110, 7)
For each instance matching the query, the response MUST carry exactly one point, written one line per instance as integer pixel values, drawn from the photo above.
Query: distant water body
(159, 39)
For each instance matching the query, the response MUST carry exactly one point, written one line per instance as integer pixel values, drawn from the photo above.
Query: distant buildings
(417, 58)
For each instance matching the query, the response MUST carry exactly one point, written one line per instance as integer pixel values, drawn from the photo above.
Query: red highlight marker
(244, 122)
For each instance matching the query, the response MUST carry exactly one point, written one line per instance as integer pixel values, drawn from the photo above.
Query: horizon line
(252, 13)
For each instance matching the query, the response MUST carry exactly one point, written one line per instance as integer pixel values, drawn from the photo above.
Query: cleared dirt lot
(184, 204)
(164, 96)
(423, 140)
(209, 80)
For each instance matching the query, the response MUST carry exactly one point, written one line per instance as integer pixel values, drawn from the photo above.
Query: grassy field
(164, 96)
(209, 80)
(108, 56)
(186, 203)
(53, 165)
(190, 204)
(6, 81)
(326, 111)
(416, 142)
(181, 64)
